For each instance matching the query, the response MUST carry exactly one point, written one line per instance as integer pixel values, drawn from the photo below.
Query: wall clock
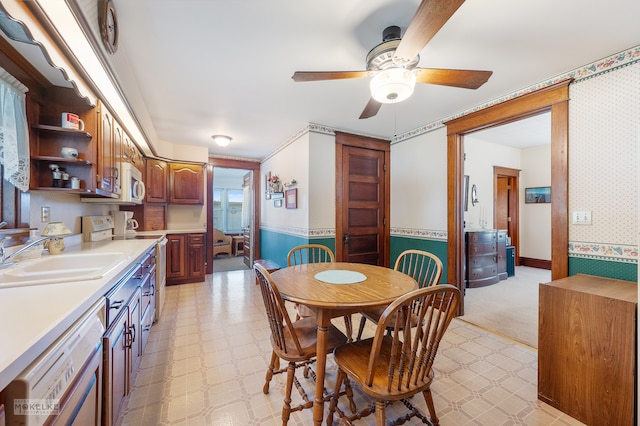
(109, 26)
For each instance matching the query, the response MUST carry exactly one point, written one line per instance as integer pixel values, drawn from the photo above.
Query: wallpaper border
(579, 249)
(301, 232)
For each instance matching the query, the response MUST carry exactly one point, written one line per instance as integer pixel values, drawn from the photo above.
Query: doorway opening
(233, 213)
(554, 99)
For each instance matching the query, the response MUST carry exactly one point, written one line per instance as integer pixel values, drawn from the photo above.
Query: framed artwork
(277, 203)
(291, 198)
(541, 194)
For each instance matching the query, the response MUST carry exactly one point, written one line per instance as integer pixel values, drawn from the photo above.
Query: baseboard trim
(535, 263)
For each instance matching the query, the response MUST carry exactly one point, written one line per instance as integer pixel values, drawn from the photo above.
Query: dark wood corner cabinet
(185, 258)
(482, 257)
(587, 348)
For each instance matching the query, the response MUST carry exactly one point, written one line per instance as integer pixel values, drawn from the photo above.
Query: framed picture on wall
(541, 194)
(291, 198)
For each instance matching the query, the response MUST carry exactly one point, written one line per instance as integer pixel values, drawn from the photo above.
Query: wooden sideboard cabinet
(587, 348)
(482, 257)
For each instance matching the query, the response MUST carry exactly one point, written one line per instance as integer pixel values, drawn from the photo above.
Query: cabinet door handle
(132, 335)
(116, 304)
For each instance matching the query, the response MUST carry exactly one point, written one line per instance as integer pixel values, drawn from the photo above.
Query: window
(227, 210)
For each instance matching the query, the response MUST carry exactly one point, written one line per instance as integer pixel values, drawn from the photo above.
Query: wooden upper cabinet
(186, 183)
(106, 164)
(156, 181)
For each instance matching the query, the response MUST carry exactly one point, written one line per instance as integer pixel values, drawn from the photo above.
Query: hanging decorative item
(291, 199)
(275, 184)
(291, 183)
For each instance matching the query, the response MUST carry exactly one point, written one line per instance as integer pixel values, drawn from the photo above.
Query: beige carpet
(510, 307)
(223, 263)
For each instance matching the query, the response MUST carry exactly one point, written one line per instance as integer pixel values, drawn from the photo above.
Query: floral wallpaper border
(419, 233)
(301, 232)
(599, 251)
(616, 253)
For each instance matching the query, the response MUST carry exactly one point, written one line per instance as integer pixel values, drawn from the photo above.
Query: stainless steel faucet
(5, 259)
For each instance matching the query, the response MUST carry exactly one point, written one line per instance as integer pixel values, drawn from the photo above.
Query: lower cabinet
(482, 257)
(116, 369)
(185, 258)
(130, 311)
(587, 348)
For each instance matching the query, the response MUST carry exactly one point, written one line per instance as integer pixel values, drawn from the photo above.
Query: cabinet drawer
(196, 239)
(482, 237)
(488, 248)
(481, 261)
(481, 272)
(118, 298)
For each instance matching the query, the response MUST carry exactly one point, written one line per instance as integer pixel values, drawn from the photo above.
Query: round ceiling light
(392, 85)
(222, 140)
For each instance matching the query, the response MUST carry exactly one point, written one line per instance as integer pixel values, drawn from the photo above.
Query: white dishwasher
(64, 384)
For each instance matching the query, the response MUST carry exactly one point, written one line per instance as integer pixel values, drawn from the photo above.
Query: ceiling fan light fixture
(221, 140)
(392, 85)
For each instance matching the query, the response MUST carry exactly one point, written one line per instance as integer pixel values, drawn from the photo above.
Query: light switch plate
(582, 217)
(45, 214)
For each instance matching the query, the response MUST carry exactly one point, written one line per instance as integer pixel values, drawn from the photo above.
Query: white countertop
(33, 317)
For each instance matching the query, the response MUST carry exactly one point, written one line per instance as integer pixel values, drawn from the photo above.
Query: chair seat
(306, 330)
(304, 311)
(374, 315)
(353, 358)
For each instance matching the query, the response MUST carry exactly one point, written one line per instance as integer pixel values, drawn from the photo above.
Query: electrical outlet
(45, 214)
(582, 217)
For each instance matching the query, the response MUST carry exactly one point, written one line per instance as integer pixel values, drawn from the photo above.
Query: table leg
(323, 320)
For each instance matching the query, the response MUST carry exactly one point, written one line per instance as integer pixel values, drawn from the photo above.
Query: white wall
(535, 219)
(65, 208)
(291, 162)
(419, 182)
(322, 181)
(481, 157)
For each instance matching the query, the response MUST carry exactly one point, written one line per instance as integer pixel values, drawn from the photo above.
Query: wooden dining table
(333, 290)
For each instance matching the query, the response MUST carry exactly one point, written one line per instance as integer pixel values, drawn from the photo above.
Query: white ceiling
(204, 67)
(527, 133)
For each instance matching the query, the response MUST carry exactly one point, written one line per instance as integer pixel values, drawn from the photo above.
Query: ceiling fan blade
(327, 75)
(467, 79)
(371, 109)
(430, 17)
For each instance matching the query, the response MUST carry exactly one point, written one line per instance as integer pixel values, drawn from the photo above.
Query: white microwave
(132, 189)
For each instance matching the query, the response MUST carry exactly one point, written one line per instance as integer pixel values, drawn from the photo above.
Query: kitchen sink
(61, 268)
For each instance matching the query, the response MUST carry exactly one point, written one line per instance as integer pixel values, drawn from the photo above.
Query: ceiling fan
(392, 63)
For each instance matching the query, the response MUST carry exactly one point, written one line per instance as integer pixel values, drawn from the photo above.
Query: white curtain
(246, 206)
(14, 134)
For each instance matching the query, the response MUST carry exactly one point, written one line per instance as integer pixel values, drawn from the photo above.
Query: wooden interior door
(362, 200)
(505, 208)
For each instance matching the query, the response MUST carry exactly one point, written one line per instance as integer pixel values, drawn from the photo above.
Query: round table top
(381, 287)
